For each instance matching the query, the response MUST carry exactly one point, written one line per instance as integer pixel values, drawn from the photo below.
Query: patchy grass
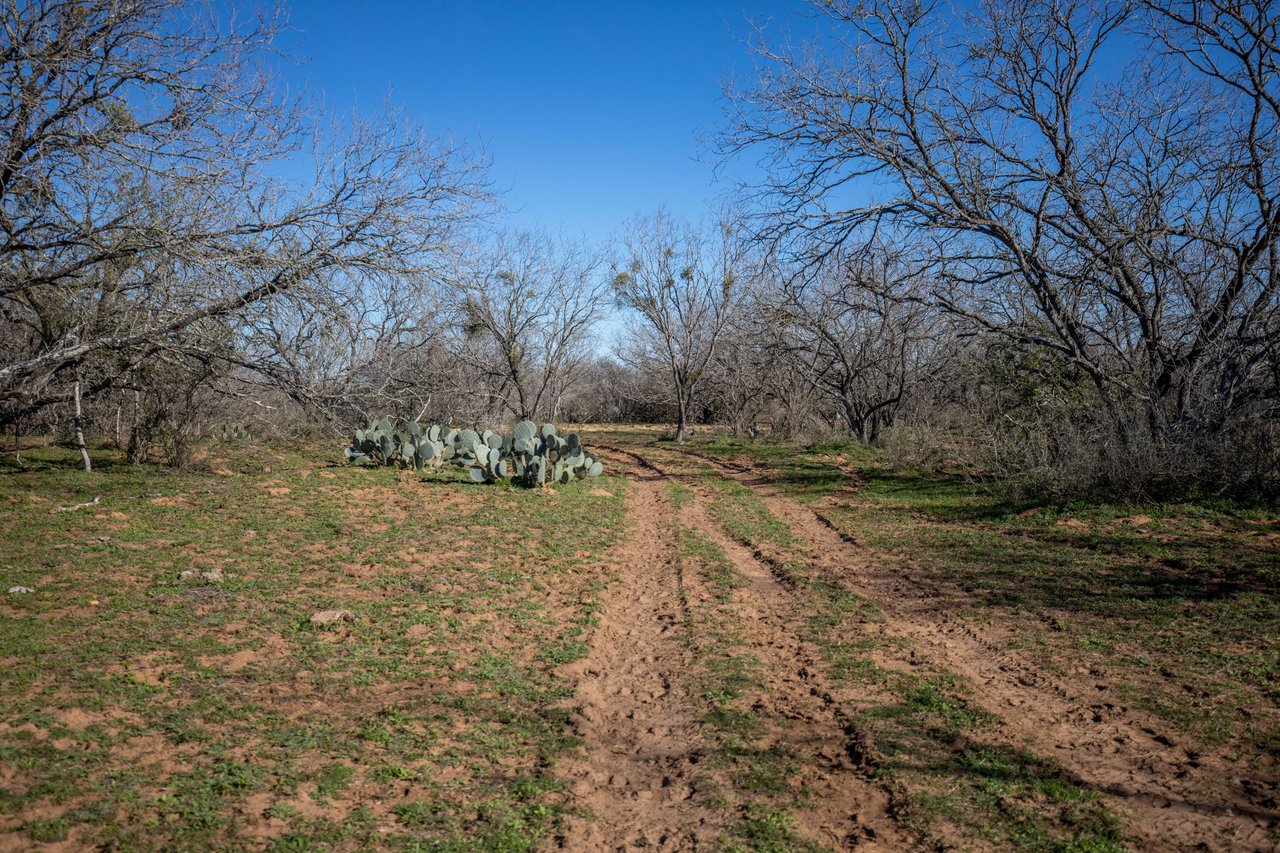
(1177, 605)
(744, 517)
(142, 709)
(956, 785)
(929, 740)
(719, 573)
(750, 773)
(764, 831)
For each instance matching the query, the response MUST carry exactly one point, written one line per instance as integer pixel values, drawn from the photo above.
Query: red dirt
(632, 786)
(638, 722)
(849, 809)
(1173, 794)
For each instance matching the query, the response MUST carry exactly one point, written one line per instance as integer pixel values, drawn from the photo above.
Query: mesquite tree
(680, 284)
(528, 305)
(141, 208)
(1094, 180)
(864, 341)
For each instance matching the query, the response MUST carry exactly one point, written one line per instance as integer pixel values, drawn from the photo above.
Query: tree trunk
(681, 420)
(852, 416)
(79, 424)
(137, 453)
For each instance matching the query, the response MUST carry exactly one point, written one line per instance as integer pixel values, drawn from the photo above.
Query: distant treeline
(1038, 243)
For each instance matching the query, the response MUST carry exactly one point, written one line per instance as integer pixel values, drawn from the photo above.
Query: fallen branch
(93, 502)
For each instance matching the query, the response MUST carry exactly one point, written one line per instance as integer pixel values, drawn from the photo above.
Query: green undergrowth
(929, 741)
(142, 709)
(752, 776)
(1174, 606)
(744, 517)
(704, 553)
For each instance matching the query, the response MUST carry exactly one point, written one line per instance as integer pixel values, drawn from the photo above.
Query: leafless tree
(680, 285)
(346, 353)
(742, 377)
(1096, 180)
(757, 378)
(528, 306)
(862, 338)
(611, 391)
(141, 208)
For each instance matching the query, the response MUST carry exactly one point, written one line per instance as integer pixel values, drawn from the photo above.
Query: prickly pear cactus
(542, 455)
(531, 455)
(383, 443)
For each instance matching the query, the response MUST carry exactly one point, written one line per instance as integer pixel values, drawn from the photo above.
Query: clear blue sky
(590, 111)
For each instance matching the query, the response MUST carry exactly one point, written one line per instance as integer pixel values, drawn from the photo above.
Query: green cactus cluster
(531, 455)
(541, 456)
(413, 446)
(235, 433)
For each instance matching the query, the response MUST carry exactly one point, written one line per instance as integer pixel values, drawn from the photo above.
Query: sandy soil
(1172, 793)
(641, 724)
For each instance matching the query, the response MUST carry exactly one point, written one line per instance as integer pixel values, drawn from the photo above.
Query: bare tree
(758, 377)
(138, 208)
(347, 352)
(865, 342)
(1120, 217)
(528, 308)
(613, 392)
(741, 378)
(681, 285)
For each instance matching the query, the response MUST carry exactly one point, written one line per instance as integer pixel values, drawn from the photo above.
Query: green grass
(762, 831)
(719, 572)
(150, 711)
(744, 517)
(144, 710)
(753, 779)
(1178, 605)
(930, 741)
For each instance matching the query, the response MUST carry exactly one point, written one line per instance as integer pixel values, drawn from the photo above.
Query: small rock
(20, 590)
(188, 574)
(328, 617)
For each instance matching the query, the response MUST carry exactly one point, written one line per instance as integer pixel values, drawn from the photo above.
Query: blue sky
(590, 111)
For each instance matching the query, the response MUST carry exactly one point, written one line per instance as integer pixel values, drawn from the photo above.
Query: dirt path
(639, 725)
(633, 785)
(850, 810)
(1175, 795)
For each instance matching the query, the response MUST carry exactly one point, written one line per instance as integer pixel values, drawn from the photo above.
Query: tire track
(631, 785)
(851, 809)
(1175, 796)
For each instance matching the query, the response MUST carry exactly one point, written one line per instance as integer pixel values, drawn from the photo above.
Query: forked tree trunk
(137, 453)
(79, 424)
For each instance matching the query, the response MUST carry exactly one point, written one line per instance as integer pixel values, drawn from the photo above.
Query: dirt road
(640, 780)
(648, 753)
